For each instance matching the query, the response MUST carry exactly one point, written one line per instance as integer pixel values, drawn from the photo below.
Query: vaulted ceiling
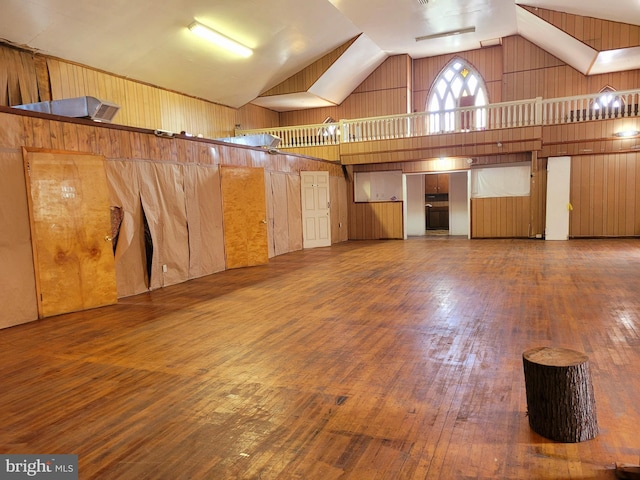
(347, 39)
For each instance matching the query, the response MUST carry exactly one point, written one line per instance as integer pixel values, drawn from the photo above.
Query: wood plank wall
(18, 76)
(376, 220)
(597, 33)
(385, 92)
(605, 194)
(26, 77)
(530, 72)
(305, 78)
(503, 217)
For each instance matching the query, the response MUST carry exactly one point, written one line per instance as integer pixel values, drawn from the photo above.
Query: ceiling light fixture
(220, 40)
(627, 133)
(493, 42)
(450, 33)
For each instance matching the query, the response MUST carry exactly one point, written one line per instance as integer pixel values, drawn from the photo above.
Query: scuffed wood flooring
(364, 360)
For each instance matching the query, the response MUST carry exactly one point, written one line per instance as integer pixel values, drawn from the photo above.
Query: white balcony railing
(489, 117)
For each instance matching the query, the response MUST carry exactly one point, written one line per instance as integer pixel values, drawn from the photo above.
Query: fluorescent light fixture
(493, 42)
(627, 133)
(446, 34)
(220, 40)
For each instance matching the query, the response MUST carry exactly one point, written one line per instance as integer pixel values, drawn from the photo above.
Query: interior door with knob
(70, 231)
(244, 214)
(316, 218)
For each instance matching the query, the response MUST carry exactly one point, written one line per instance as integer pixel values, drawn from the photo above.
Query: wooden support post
(560, 401)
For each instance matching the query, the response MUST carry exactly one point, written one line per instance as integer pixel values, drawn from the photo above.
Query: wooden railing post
(538, 111)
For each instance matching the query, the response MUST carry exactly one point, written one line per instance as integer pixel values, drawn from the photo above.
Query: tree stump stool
(560, 401)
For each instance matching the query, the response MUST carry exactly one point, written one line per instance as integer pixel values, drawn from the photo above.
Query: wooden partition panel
(605, 194)
(376, 220)
(503, 217)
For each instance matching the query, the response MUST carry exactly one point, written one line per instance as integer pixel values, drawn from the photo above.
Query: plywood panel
(244, 214)
(71, 228)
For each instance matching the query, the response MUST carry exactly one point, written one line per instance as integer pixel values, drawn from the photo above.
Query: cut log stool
(560, 401)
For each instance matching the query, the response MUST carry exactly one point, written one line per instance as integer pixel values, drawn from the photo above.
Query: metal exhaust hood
(80, 107)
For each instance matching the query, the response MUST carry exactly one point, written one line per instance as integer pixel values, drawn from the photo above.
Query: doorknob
(107, 238)
(264, 221)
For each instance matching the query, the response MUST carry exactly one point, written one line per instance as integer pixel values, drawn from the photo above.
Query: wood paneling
(597, 33)
(252, 116)
(503, 217)
(437, 165)
(589, 138)
(530, 72)
(305, 78)
(480, 143)
(331, 152)
(385, 92)
(538, 195)
(375, 220)
(142, 105)
(18, 76)
(605, 194)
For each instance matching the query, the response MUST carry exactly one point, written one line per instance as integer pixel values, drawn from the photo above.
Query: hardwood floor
(364, 360)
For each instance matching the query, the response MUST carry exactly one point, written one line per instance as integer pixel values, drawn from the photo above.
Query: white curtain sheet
(504, 181)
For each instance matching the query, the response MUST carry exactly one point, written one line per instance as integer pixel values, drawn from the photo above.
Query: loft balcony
(549, 126)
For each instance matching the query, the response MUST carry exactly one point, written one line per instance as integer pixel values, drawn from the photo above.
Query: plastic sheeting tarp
(124, 190)
(163, 201)
(204, 219)
(511, 181)
(280, 217)
(17, 277)
(294, 212)
(183, 208)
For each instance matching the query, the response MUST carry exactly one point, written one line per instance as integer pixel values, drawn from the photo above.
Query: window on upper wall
(458, 85)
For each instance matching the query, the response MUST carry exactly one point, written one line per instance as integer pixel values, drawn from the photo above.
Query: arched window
(607, 99)
(608, 104)
(459, 85)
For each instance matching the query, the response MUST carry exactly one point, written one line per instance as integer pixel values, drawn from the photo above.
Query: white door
(316, 221)
(558, 183)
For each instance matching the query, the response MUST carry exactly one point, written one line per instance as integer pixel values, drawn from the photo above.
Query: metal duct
(264, 140)
(80, 107)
